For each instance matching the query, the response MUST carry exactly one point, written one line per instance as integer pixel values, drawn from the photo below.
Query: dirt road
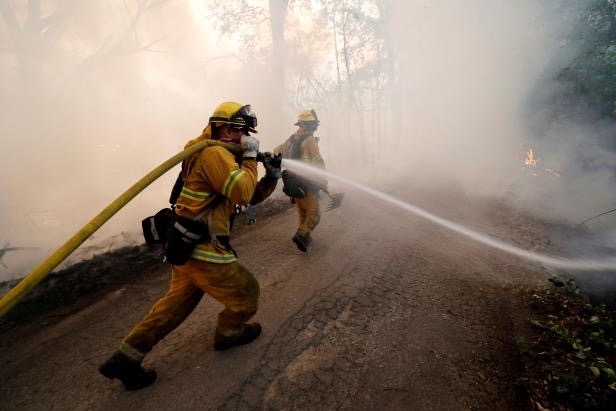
(386, 311)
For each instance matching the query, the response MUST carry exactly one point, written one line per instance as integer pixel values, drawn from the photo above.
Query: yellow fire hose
(10, 299)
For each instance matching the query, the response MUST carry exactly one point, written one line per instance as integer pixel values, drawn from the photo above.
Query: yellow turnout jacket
(308, 152)
(209, 174)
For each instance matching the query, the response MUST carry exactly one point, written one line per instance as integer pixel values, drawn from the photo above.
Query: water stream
(594, 264)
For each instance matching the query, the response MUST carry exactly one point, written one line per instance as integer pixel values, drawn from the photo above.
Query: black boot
(301, 241)
(128, 371)
(249, 334)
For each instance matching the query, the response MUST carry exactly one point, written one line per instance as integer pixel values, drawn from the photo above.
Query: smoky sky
(95, 103)
(470, 71)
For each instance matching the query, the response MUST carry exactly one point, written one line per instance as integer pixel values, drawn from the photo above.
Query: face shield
(244, 119)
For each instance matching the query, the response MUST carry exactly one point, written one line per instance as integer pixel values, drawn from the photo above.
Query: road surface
(385, 311)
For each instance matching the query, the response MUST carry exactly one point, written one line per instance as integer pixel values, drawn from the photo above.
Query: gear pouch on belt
(293, 185)
(155, 227)
(183, 236)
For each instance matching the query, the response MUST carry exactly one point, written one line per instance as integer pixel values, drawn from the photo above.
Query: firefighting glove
(250, 145)
(272, 163)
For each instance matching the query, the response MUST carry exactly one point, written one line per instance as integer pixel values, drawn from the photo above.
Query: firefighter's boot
(249, 334)
(302, 241)
(130, 372)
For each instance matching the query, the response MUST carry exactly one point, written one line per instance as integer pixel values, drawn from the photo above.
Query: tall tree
(34, 41)
(278, 11)
(308, 35)
(242, 19)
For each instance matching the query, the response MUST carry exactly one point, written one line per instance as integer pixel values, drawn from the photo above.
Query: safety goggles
(244, 119)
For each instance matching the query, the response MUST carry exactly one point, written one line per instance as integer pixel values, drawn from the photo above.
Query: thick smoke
(97, 101)
(479, 92)
(474, 92)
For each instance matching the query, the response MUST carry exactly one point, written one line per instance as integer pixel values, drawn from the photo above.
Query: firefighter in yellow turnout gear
(214, 181)
(304, 146)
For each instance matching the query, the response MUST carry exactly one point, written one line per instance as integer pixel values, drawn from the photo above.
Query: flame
(530, 159)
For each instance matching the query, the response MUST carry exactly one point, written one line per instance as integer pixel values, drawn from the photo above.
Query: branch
(10, 19)
(114, 48)
(54, 25)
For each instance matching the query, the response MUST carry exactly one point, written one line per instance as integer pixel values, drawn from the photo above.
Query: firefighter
(304, 146)
(214, 180)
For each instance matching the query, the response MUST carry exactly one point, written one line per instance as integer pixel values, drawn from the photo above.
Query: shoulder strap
(176, 190)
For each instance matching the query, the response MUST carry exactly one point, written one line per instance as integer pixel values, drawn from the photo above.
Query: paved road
(386, 311)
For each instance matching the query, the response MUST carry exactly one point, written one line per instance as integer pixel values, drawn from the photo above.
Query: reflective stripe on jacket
(216, 171)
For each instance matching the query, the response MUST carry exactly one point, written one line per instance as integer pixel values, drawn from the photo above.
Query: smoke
(86, 114)
(466, 71)
(479, 84)
(473, 81)
(93, 103)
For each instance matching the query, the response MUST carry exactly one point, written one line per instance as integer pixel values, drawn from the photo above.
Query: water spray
(555, 262)
(14, 295)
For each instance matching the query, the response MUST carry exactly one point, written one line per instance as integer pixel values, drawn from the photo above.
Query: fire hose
(15, 294)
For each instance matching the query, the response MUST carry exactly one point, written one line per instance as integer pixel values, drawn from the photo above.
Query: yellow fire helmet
(307, 118)
(236, 115)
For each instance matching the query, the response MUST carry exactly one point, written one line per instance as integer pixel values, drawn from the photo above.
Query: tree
(307, 38)
(589, 79)
(35, 43)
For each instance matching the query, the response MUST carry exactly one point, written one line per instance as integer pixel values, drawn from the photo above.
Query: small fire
(530, 159)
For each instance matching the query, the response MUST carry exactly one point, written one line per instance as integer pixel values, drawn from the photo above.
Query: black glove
(272, 163)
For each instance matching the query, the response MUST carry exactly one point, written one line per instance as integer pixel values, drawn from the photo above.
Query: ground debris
(73, 288)
(569, 350)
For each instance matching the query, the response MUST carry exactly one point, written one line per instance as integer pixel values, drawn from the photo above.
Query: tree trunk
(278, 11)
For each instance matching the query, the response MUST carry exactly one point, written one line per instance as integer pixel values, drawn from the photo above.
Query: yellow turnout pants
(230, 284)
(309, 214)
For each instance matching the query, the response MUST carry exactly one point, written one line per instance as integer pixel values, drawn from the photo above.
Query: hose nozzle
(274, 159)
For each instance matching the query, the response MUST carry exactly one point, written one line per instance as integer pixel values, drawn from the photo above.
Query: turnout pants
(230, 284)
(309, 214)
